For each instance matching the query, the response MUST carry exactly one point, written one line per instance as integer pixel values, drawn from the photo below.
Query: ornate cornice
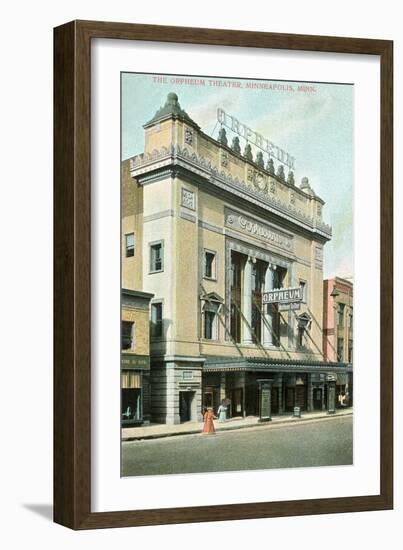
(177, 156)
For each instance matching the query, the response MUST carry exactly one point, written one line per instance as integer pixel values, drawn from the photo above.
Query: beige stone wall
(158, 135)
(132, 222)
(140, 318)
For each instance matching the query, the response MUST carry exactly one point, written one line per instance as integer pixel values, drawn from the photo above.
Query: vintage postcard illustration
(236, 274)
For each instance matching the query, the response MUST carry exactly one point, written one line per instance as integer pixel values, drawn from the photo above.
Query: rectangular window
(340, 349)
(258, 274)
(277, 318)
(156, 319)
(129, 243)
(351, 317)
(209, 264)
(209, 325)
(303, 287)
(350, 351)
(236, 277)
(340, 315)
(301, 336)
(156, 257)
(127, 335)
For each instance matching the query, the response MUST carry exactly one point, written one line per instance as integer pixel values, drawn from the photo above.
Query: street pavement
(153, 431)
(322, 442)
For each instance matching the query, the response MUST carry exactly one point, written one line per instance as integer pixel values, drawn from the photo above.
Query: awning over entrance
(253, 364)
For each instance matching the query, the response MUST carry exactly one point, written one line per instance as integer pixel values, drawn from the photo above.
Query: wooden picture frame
(72, 274)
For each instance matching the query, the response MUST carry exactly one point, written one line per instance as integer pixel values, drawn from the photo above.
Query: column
(222, 386)
(265, 399)
(172, 395)
(280, 394)
(146, 393)
(331, 397)
(350, 389)
(267, 317)
(244, 395)
(309, 404)
(247, 302)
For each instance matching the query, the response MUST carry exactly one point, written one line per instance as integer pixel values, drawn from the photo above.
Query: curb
(232, 428)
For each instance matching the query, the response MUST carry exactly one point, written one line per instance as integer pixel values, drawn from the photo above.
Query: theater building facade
(209, 230)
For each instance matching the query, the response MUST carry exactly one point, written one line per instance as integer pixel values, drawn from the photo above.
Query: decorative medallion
(188, 136)
(188, 199)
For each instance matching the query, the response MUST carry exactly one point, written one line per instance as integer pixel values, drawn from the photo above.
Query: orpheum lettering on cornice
(175, 155)
(258, 230)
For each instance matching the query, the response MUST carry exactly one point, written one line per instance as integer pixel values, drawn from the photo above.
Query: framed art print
(223, 258)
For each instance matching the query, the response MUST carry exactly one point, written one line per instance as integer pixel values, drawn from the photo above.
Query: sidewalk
(156, 431)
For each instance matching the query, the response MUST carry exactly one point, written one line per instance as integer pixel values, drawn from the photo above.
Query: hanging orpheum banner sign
(283, 296)
(255, 139)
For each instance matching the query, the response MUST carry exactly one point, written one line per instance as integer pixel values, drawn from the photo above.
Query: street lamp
(304, 320)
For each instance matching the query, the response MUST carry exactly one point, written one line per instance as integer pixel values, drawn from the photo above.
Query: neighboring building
(135, 357)
(207, 230)
(338, 329)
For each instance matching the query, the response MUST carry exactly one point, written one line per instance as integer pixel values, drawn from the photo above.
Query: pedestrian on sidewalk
(222, 412)
(208, 426)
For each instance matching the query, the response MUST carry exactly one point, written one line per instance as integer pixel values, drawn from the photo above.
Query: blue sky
(315, 127)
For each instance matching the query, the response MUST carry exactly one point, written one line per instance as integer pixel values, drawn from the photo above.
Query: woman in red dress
(208, 427)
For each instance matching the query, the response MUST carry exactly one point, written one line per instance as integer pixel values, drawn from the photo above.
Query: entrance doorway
(131, 405)
(208, 399)
(317, 399)
(211, 397)
(237, 402)
(289, 398)
(186, 400)
(295, 396)
(274, 401)
(300, 397)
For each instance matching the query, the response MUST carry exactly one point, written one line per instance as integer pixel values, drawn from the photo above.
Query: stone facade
(216, 216)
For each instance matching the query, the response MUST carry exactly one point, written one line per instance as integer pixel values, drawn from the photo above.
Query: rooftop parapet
(172, 137)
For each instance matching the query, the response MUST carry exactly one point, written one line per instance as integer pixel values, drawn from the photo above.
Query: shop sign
(136, 362)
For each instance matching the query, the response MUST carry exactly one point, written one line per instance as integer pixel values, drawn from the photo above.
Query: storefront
(292, 384)
(135, 358)
(135, 383)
